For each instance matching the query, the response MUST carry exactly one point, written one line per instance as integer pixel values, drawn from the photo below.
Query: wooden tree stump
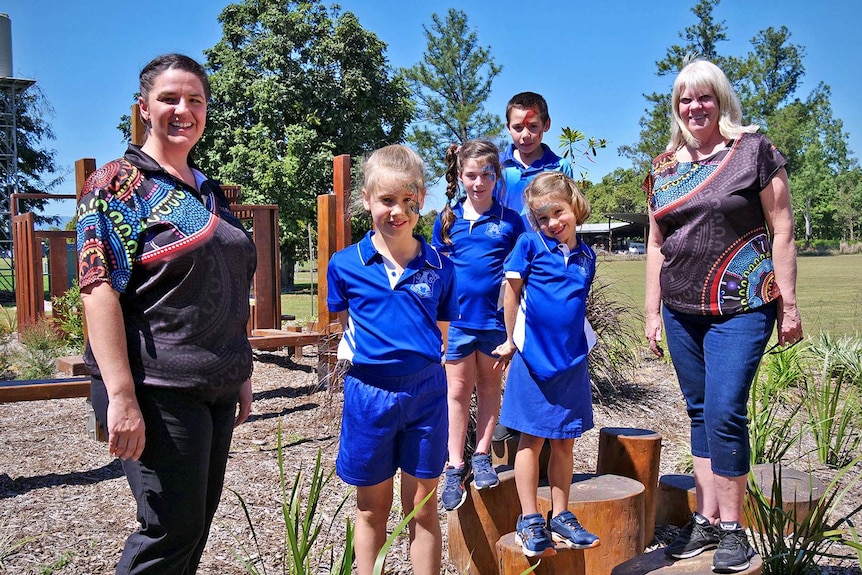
(476, 526)
(676, 499)
(657, 563)
(800, 493)
(512, 560)
(610, 506)
(633, 453)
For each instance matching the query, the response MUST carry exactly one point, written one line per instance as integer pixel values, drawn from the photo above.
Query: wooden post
(476, 526)
(800, 494)
(610, 506)
(29, 295)
(139, 129)
(676, 499)
(83, 168)
(326, 246)
(341, 187)
(633, 453)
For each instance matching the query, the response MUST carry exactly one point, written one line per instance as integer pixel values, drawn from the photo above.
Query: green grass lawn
(828, 290)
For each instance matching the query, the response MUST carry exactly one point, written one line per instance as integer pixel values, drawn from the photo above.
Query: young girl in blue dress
(477, 234)
(547, 395)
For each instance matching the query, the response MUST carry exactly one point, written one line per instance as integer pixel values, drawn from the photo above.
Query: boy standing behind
(527, 120)
(394, 296)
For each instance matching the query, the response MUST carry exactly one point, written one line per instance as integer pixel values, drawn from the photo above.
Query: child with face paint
(477, 233)
(527, 120)
(549, 274)
(394, 296)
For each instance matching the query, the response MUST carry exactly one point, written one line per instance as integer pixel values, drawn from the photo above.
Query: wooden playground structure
(265, 322)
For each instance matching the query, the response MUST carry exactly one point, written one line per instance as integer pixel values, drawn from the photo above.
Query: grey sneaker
(454, 493)
(484, 475)
(734, 552)
(566, 529)
(696, 537)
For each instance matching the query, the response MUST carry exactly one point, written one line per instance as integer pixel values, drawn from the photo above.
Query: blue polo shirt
(478, 250)
(549, 328)
(516, 176)
(393, 330)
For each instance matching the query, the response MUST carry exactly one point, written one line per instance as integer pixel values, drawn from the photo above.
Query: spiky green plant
(302, 525)
(774, 405)
(812, 537)
(832, 399)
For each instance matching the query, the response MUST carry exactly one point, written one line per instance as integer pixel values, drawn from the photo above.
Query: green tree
(450, 86)
(702, 39)
(617, 192)
(37, 169)
(294, 83)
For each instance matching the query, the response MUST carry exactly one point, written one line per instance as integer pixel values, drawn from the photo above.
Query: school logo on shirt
(423, 283)
(493, 230)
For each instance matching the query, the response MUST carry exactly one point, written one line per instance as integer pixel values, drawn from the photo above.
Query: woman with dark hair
(165, 271)
(721, 268)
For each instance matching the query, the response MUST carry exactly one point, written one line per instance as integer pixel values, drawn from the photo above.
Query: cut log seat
(39, 389)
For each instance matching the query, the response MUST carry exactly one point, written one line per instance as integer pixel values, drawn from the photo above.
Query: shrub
(69, 317)
(40, 347)
(614, 358)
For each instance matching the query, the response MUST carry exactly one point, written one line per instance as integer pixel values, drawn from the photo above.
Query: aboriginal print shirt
(718, 254)
(183, 265)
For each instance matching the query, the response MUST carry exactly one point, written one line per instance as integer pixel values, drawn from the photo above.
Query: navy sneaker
(484, 475)
(454, 493)
(696, 537)
(566, 529)
(534, 538)
(734, 553)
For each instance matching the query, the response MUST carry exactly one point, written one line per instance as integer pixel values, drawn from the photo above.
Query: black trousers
(177, 483)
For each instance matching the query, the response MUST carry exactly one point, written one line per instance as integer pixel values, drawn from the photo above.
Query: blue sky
(592, 61)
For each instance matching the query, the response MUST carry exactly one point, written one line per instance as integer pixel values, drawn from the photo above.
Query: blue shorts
(463, 341)
(393, 422)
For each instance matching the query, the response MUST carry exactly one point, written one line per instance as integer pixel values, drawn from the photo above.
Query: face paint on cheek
(413, 203)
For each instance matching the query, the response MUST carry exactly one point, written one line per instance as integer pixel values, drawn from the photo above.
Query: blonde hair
(395, 161)
(560, 186)
(701, 75)
(483, 152)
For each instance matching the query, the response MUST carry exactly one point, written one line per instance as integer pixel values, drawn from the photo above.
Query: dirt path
(66, 509)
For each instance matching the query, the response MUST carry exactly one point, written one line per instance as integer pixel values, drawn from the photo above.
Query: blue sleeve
(520, 257)
(566, 167)
(336, 295)
(448, 309)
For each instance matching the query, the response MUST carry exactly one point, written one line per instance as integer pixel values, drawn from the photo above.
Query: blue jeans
(716, 358)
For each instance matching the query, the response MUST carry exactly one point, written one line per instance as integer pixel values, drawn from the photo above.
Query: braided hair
(485, 153)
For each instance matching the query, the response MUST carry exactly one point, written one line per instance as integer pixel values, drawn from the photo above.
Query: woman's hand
(126, 428)
(245, 398)
(653, 334)
(504, 352)
(789, 324)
